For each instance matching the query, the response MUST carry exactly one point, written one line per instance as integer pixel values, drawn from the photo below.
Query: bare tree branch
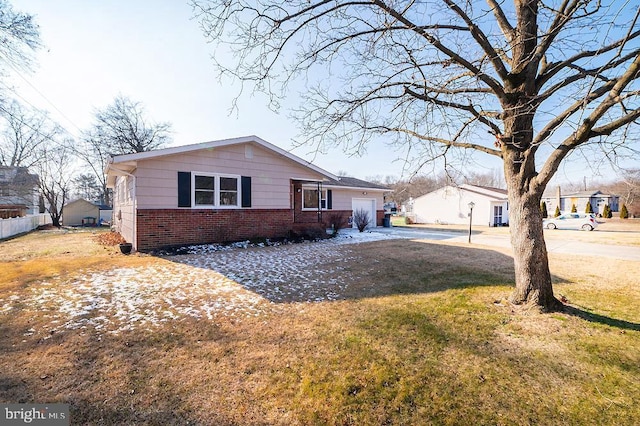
(24, 135)
(445, 78)
(585, 131)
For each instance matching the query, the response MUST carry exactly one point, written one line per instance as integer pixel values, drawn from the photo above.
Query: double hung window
(312, 199)
(214, 190)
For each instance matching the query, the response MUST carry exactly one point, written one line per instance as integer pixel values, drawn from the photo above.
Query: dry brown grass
(421, 338)
(56, 253)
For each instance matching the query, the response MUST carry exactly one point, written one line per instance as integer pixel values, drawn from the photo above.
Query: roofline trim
(216, 144)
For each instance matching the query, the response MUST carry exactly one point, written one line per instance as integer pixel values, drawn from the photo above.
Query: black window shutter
(184, 189)
(245, 184)
(329, 199)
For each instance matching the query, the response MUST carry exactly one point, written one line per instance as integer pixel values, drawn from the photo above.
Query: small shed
(85, 213)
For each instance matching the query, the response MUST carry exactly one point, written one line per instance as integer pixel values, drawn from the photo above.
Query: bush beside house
(624, 213)
(543, 210)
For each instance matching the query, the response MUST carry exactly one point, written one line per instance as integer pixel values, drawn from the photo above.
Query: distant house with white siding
(450, 205)
(598, 199)
(229, 190)
(19, 192)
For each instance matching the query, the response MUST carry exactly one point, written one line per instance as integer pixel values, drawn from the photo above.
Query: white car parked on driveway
(586, 222)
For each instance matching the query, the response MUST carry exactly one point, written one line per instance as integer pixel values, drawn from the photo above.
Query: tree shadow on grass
(601, 319)
(322, 271)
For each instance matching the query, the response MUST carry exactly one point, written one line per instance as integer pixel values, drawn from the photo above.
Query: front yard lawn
(374, 332)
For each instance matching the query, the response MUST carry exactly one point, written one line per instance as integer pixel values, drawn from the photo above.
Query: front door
(497, 215)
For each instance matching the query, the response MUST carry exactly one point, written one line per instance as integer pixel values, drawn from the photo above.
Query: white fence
(19, 225)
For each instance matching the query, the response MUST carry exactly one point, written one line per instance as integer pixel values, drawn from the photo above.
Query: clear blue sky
(154, 52)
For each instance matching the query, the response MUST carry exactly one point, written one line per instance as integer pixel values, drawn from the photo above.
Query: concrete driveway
(554, 244)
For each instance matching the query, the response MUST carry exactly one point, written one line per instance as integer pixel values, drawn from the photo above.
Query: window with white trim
(124, 188)
(215, 190)
(229, 189)
(310, 198)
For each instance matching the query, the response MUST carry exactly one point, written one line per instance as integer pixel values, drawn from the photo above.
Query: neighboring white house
(19, 194)
(450, 205)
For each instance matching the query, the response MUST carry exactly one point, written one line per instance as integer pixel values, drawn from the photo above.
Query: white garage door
(368, 205)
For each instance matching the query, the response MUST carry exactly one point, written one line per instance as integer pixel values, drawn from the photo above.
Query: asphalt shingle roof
(347, 181)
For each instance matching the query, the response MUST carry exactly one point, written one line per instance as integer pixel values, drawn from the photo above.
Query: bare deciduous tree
(20, 37)
(630, 191)
(24, 135)
(627, 186)
(25, 141)
(120, 128)
(55, 178)
(527, 82)
(405, 189)
(123, 128)
(491, 179)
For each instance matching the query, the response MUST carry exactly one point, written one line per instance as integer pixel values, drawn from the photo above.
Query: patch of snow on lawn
(127, 298)
(211, 283)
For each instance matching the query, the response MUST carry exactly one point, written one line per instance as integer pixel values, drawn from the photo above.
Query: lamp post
(471, 204)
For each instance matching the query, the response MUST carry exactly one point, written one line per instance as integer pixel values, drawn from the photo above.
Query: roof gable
(80, 201)
(584, 194)
(90, 203)
(553, 193)
(488, 192)
(18, 176)
(132, 158)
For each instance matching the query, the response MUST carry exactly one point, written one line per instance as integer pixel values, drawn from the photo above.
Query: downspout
(319, 202)
(133, 207)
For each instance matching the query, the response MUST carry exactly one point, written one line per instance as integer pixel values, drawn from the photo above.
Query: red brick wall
(173, 227)
(170, 227)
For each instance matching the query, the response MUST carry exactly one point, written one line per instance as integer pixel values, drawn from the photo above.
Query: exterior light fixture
(471, 205)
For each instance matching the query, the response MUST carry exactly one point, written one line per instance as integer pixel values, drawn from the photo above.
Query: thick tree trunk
(533, 278)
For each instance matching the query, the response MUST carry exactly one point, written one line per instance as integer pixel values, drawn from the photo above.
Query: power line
(32, 106)
(23, 122)
(44, 97)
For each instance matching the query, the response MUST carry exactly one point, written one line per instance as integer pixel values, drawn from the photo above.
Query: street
(555, 244)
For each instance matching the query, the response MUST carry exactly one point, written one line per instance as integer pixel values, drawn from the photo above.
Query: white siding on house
(157, 178)
(123, 214)
(342, 198)
(450, 205)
